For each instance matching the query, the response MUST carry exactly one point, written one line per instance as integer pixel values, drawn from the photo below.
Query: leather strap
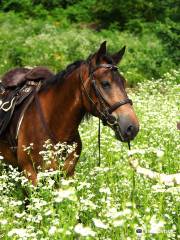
(119, 104)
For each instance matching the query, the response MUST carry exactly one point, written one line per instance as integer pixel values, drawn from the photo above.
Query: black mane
(60, 76)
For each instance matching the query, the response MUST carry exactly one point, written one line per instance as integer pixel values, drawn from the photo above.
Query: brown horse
(93, 86)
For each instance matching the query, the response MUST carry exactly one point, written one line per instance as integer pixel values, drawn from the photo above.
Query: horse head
(105, 95)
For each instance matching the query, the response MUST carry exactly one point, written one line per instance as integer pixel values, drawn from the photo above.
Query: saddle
(17, 90)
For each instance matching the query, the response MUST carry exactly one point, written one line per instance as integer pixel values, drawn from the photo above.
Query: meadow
(110, 201)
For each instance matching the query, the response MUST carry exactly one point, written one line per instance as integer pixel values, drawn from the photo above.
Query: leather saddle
(17, 90)
(19, 76)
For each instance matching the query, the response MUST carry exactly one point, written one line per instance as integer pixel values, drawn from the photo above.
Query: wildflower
(84, 231)
(155, 225)
(3, 221)
(52, 230)
(21, 232)
(65, 194)
(51, 182)
(19, 215)
(158, 188)
(126, 211)
(99, 224)
(66, 182)
(48, 213)
(136, 151)
(159, 153)
(86, 203)
(1, 209)
(105, 190)
(118, 223)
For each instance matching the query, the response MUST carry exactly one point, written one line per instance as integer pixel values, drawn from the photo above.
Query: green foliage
(123, 12)
(28, 42)
(15, 5)
(169, 34)
(106, 12)
(55, 33)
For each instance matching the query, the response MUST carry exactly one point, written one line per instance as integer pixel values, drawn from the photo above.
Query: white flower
(65, 193)
(99, 224)
(158, 188)
(48, 213)
(19, 215)
(113, 213)
(88, 203)
(51, 182)
(21, 232)
(155, 225)
(66, 182)
(136, 151)
(52, 230)
(159, 153)
(126, 211)
(105, 190)
(84, 231)
(1, 209)
(3, 221)
(118, 223)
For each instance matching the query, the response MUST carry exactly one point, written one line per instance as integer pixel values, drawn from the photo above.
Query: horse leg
(26, 165)
(71, 161)
(9, 156)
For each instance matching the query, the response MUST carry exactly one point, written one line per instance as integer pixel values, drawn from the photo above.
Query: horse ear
(117, 57)
(101, 51)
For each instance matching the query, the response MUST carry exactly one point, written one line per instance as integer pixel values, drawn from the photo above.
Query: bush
(28, 42)
(169, 35)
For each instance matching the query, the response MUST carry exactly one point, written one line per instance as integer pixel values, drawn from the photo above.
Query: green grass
(110, 201)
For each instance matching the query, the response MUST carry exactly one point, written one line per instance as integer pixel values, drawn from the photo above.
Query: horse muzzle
(126, 129)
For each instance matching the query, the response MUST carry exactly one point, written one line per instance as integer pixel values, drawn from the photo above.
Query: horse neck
(63, 107)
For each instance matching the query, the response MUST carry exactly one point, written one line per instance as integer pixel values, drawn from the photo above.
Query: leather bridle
(106, 113)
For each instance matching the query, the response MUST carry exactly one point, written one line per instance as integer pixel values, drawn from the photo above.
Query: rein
(106, 113)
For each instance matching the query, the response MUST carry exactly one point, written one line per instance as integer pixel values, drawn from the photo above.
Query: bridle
(105, 111)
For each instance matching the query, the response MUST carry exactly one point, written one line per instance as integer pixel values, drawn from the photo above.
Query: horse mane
(60, 77)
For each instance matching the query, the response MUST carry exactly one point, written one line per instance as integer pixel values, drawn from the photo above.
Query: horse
(93, 86)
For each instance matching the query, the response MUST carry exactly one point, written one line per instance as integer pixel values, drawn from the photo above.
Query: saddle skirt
(16, 93)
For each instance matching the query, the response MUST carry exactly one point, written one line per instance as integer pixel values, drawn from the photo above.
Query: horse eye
(105, 84)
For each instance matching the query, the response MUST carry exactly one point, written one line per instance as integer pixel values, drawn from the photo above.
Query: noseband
(107, 109)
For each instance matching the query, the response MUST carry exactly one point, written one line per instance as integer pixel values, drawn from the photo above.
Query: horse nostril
(130, 131)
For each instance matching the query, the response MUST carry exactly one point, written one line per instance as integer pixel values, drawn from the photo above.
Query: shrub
(28, 42)
(169, 35)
